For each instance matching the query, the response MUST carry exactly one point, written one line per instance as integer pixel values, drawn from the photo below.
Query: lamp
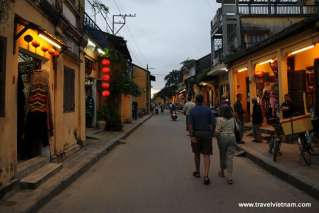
(266, 62)
(301, 50)
(50, 41)
(100, 51)
(242, 69)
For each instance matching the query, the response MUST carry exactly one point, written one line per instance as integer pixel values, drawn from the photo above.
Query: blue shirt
(201, 118)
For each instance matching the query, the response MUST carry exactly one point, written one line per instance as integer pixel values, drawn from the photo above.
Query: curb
(281, 172)
(73, 177)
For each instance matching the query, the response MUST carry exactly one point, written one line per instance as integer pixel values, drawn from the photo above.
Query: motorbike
(174, 116)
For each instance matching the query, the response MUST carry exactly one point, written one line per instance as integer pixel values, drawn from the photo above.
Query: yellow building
(41, 77)
(283, 64)
(142, 78)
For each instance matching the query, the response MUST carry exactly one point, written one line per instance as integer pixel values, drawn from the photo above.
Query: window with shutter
(69, 84)
(3, 51)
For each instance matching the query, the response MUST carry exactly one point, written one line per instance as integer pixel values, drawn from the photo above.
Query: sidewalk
(98, 144)
(289, 167)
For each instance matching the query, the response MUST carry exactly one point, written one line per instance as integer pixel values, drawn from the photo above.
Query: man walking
(201, 125)
(239, 112)
(187, 108)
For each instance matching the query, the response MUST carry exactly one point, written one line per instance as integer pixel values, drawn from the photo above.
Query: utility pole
(120, 19)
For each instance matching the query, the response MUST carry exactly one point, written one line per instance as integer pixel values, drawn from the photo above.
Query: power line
(132, 36)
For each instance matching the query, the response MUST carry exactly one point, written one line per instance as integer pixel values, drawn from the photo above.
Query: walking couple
(203, 125)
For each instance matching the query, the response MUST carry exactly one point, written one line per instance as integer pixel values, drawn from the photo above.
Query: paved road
(152, 173)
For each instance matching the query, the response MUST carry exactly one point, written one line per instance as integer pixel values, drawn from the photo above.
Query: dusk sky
(164, 32)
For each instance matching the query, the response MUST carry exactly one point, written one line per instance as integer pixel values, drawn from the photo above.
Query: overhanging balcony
(278, 10)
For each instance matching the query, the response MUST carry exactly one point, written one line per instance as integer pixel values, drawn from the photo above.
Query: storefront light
(100, 51)
(301, 50)
(50, 41)
(91, 44)
(266, 62)
(242, 69)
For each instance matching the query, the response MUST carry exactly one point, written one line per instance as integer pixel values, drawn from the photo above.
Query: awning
(218, 70)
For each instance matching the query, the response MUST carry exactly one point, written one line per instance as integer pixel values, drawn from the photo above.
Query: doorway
(32, 128)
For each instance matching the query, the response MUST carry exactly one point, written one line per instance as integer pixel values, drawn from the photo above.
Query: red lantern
(106, 93)
(35, 44)
(106, 77)
(105, 85)
(106, 70)
(106, 62)
(44, 49)
(52, 52)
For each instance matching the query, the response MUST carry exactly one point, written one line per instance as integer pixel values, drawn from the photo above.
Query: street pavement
(152, 172)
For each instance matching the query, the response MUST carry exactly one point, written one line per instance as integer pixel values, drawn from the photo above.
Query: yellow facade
(141, 77)
(250, 66)
(68, 127)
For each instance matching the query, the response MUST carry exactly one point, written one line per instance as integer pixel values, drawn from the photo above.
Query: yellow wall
(126, 108)
(65, 124)
(141, 78)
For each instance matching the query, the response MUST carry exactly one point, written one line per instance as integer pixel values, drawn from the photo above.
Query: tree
(172, 78)
(188, 63)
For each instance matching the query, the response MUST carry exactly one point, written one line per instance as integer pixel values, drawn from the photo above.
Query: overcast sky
(164, 32)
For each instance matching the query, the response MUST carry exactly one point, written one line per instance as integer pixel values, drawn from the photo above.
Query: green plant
(111, 117)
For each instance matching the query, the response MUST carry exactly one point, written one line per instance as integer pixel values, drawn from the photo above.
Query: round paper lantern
(106, 70)
(106, 93)
(106, 62)
(28, 38)
(52, 52)
(106, 77)
(105, 85)
(44, 49)
(35, 43)
(56, 54)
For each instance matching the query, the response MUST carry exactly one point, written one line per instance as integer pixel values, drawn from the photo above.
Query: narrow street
(152, 172)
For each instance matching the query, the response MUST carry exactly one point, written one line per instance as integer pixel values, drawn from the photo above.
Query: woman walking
(225, 133)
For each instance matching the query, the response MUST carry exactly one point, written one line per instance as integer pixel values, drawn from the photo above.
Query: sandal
(206, 181)
(196, 174)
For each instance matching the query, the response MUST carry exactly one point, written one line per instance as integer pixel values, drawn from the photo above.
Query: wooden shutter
(3, 52)
(69, 84)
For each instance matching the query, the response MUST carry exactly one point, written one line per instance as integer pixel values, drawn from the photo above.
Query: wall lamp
(91, 44)
(266, 62)
(100, 51)
(242, 69)
(50, 41)
(301, 50)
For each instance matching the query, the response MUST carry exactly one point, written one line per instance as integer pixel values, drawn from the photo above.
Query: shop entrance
(267, 88)
(33, 107)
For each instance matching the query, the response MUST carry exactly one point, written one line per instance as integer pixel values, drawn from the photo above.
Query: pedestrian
(287, 107)
(201, 126)
(187, 108)
(135, 110)
(226, 139)
(257, 119)
(239, 112)
(90, 108)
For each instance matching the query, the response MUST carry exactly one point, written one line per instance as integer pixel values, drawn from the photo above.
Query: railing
(88, 22)
(217, 20)
(275, 9)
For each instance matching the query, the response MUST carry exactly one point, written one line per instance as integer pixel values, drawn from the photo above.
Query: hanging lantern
(56, 54)
(44, 49)
(52, 52)
(28, 38)
(105, 62)
(106, 77)
(106, 70)
(105, 85)
(106, 93)
(35, 44)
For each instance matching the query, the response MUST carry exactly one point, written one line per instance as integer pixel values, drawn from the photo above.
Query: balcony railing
(278, 10)
(90, 23)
